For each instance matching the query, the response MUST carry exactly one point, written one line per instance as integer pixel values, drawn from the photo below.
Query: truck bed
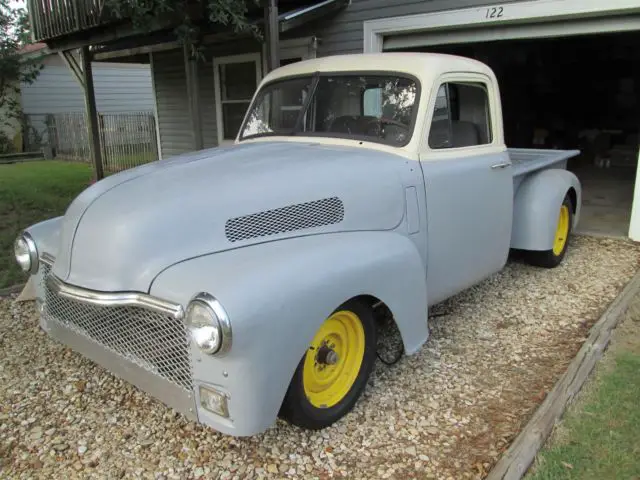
(525, 160)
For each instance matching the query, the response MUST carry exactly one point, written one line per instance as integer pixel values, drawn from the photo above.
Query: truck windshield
(378, 108)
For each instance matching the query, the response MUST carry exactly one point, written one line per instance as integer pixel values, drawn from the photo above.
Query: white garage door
(529, 19)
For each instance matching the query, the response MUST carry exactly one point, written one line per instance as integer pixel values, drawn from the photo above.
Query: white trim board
(634, 222)
(514, 32)
(489, 22)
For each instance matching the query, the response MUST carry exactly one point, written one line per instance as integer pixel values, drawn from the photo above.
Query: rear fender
(536, 206)
(277, 294)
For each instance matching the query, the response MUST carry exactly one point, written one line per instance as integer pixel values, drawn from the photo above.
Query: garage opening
(573, 92)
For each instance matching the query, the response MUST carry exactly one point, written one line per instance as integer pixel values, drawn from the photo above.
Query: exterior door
(469, 187)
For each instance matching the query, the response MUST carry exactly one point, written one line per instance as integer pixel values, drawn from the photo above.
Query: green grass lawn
(600, 436)
(31, 192)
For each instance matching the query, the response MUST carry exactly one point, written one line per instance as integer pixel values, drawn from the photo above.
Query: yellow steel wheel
(334, 359)
(334, 369)
(553, 257)
(562, 230)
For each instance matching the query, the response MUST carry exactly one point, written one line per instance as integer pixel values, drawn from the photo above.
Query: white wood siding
(118, 87)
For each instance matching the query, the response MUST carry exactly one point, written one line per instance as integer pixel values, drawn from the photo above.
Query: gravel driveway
(446, 412)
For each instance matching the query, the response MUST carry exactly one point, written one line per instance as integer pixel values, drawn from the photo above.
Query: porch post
(634, 225)
(92, 112)
(193, 95)
(272, 34)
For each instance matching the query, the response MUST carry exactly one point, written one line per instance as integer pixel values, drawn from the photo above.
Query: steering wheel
(375, 126)
(389, 121)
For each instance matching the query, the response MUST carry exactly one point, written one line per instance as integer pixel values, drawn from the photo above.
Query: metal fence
(126, 139)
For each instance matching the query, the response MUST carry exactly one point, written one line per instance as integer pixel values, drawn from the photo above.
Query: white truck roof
(424, 66)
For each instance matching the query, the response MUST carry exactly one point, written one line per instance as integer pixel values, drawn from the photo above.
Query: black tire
(298, 410)
(548, 258)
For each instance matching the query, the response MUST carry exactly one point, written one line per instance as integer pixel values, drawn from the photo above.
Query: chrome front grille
(156, 341)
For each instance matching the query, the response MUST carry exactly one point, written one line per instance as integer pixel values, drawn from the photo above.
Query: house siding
(118, 88)
(341, 33)
(172, 104)
(174, 119)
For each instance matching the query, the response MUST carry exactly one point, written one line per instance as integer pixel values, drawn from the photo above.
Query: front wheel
(334, 370)
(552, 258)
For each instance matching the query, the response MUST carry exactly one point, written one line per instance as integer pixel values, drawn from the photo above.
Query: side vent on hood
(300, 216)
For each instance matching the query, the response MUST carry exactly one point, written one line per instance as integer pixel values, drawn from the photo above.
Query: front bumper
(137, 337)
(167, 392)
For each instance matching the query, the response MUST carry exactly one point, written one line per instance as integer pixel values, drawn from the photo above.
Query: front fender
(278, 293)
(46, 235)
(536, 206)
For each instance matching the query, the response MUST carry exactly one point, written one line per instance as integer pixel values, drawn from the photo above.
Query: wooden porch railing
(57, 18)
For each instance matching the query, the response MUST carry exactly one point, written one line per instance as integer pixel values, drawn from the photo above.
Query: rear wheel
(334, 370)
(552, 258)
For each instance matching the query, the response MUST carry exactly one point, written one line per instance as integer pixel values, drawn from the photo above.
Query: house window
(236, 79)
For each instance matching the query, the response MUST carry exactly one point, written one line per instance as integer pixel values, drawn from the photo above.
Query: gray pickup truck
(242, 282)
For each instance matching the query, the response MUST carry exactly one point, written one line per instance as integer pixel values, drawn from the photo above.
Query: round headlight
(26, 253)
(208, 324)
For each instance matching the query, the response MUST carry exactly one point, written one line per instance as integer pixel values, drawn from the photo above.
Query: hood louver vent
(301, 216)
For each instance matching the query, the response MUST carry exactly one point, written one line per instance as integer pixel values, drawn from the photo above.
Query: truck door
(468, 183)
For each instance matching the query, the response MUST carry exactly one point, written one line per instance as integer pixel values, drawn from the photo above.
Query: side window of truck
(461, 116)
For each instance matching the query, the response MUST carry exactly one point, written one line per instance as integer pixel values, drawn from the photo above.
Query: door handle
(501, 165)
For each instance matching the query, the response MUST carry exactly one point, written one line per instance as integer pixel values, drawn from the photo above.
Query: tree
(188, 15)
(14, 34)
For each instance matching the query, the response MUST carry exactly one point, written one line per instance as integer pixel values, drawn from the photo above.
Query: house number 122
(494, 12)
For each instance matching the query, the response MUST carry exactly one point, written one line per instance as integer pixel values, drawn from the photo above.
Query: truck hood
(120, 233)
